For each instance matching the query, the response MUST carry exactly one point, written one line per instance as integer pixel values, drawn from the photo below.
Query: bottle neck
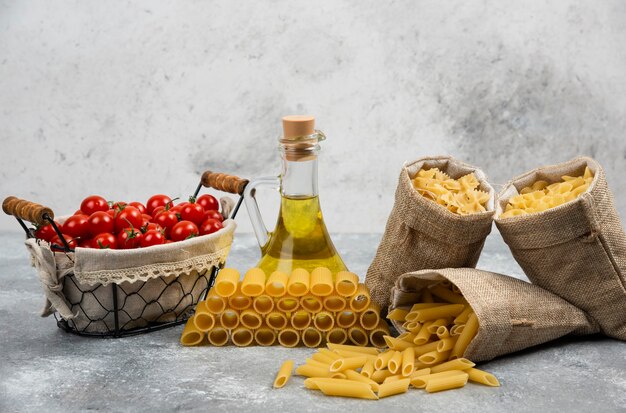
(299, 178)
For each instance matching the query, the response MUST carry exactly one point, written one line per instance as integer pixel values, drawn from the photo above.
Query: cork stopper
(298, 125)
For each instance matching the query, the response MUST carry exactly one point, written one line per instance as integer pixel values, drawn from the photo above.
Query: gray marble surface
(44, 369)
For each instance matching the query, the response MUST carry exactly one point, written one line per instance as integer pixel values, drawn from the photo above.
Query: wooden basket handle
(26, 210)
(224, 182)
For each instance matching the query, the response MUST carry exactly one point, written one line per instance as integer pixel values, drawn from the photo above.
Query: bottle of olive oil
(300, 238)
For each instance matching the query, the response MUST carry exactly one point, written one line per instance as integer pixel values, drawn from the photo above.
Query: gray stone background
(126, 99)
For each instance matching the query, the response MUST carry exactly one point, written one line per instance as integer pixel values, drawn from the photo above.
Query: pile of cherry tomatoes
(120, 225)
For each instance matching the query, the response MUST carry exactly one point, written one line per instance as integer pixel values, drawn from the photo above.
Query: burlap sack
(512, 313)
(576, 250)
(421, 234)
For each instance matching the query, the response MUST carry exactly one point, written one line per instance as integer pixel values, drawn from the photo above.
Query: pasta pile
(542, 195)
(428, 356)
(460, 196)
(299, 308)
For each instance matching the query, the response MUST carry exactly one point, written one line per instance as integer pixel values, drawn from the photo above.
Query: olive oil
(300, 239)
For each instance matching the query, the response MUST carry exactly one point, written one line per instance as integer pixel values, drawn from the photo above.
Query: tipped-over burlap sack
(421, 234)
(512, 314)
(576, 250)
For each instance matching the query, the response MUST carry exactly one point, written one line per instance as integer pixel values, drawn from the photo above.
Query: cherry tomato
(86, 243)
(178, 208)
(157, 201)
(208, 202)
(166, 220)
(118, 206)
(105, 240)
(100, 222)
(93, 203)
(184, 230)
(76, 226)
(145, 220)
(151, 226)
(193, 213)
(139, 206)
(129, 238)
(57, 245)
(213, 214)
(210, 226)
(78, 212)
(129, 217)
(152, 237)
(111, 212)
(46, 232)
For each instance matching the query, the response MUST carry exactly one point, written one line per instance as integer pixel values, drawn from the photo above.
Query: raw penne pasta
(287, 304)
(456, 329)
(346, 283)
(229, 319)
(358, 349)
(368, 368)
(377, 335)
(337, 335)
(462, 318)
(334, 356)
(395, 344)
(203, 319)
(346, 319)
(394, 378)
(442, 311)
(380, 375)
(218, 336)
(348, 363)
(298, 283)
(226, 282)
(361, 298)
(447, 295)
(323, 321)
(322, 358)
(468, 333)
(346, 388)
(406, 336)
(316, 363)
(457, 364)
(358, 336)
(276, 285)
(354, 376)
(321, 282)
(421, 372)
(215, 304)
(446, 383)
(423, 335)
(250, 319)
(288, 337)
(426, 348)
(253, 283)
(446, 344)
(395, 363)
(434, 357)
(432, 327)
(350, 353)
(276, 320)
(311, 303)
(335, 303)
(242, 336)
(308, 370)
(370, 317)
(413, 327)
(397, 314)
(421, 381)
(191, 335)
(263, 304)
(284, 373)
(482, 377)
(421, 306)
(311, 337)
(442, 332)
(238, 300)
(393, 388)
(408, 362)
(411, 316)
(383, 359)
(265, 336)
(300, 319)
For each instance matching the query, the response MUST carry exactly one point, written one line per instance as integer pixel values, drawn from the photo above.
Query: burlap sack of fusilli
(512, 314)
(576, 250)
(421, 234)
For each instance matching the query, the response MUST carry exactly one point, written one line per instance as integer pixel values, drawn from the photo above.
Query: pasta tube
(348, 363)
(361, 298)
(203, 319)
(288, 337)
(413, 327)
(421, 306)
(370, 317)
(276, 320)
(300, 320)
(337, 335)
(229, 319)
(397, 314)
(395, 362)
(354, 376)
(482, 377)
(468, 333)
(311, 303)
(394, 378)
(239, 301)
(377, 335)
(447, 295)
(226, 282)
(298, 284)
(408, 362)
(345, 388)
(351, 353)
(346, 319)
(446, 344)
(358, 349)
(308, 370)
(276, 285)
(462, 318)
(421, 372)
(395, 344)
(253, 283)
(380, 375)
(346, 283)
(264, 336)
(311, 337)
(315, 363)
(322, 358)
(406, 336)
(322, 282)
(323, 321)
(457, 364)
(393, 388)
(335, 303)
(446, 383)
(421, 381)
(263, 304)
(383, 359)
(191, 335)
(358, 336)
(423, 335)
(242, 337)
(442, 311)
(434, 357)
(368, 368)
(426, 348)
(288, 304)
(218, 336)
(442, 332)
(432, 327)
(334, 356)
(250, 319)
(284, 373)
(215, 304)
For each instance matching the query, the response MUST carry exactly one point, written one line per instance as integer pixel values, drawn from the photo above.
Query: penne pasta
(377, 335)
(394, 387)
(383, 359)
(250, 319)
(358, 349)
(215, 304)
(335, 303)
(345, 319)
(442, 311)
(456, 329)
(226, 282)
(345, 388)
(315, 363)
(323, 321)
(284, 373)
(434, 357)
(263, 304)
(406, 336)
(447, 295)
(300, 320)
(482, 377)
(413, 327)
(395, 344)
(308, 370)
(322, 358)
(358, 336)
(351, 353)
(298, 283)
(397, 314)
(370, 317)
(348, 363)
(380, 375)
(288, 337)
(423, 335)
(442, 332)
(421, 306)
(346, 283)
(468, 333)
(354, 376)
(311, 337)
(242, 337)
(446, 383)
(368, 368)
(446, 344)
(276, 320)
(426, 348)
(337, 335)
(457, 364)
(218, 336)
(311, 303)
(334, 356)
(421, 372)
(440, 322)
(229, 319)
(265, 336)
(191, 335)
(253, 283)
(287, 304)
(462, 318)
(321, 282)
(395, 363)
(238, 300)
(276, 285)
(203, 319)
(408, 362)
(421, 381)
(361, 299)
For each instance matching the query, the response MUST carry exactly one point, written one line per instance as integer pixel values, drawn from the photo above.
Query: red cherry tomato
(57, 245)
(184, 230)
(106, 240)
(86, 243)
(178, 208)
(166, 220)
(210, 226)
(100, 222)
(46, 232)
(151, 226)
(129, 238)
(152, 237)
(193, 213)
(76, 226)
(111, 212)
(145, 220)
(139, 206)
(93, 203)
(208, 202)
(157, 201)
(213, 214)
(129, 217)
(78, 212)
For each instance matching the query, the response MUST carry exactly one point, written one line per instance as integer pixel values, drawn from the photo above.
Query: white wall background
(129, 98)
